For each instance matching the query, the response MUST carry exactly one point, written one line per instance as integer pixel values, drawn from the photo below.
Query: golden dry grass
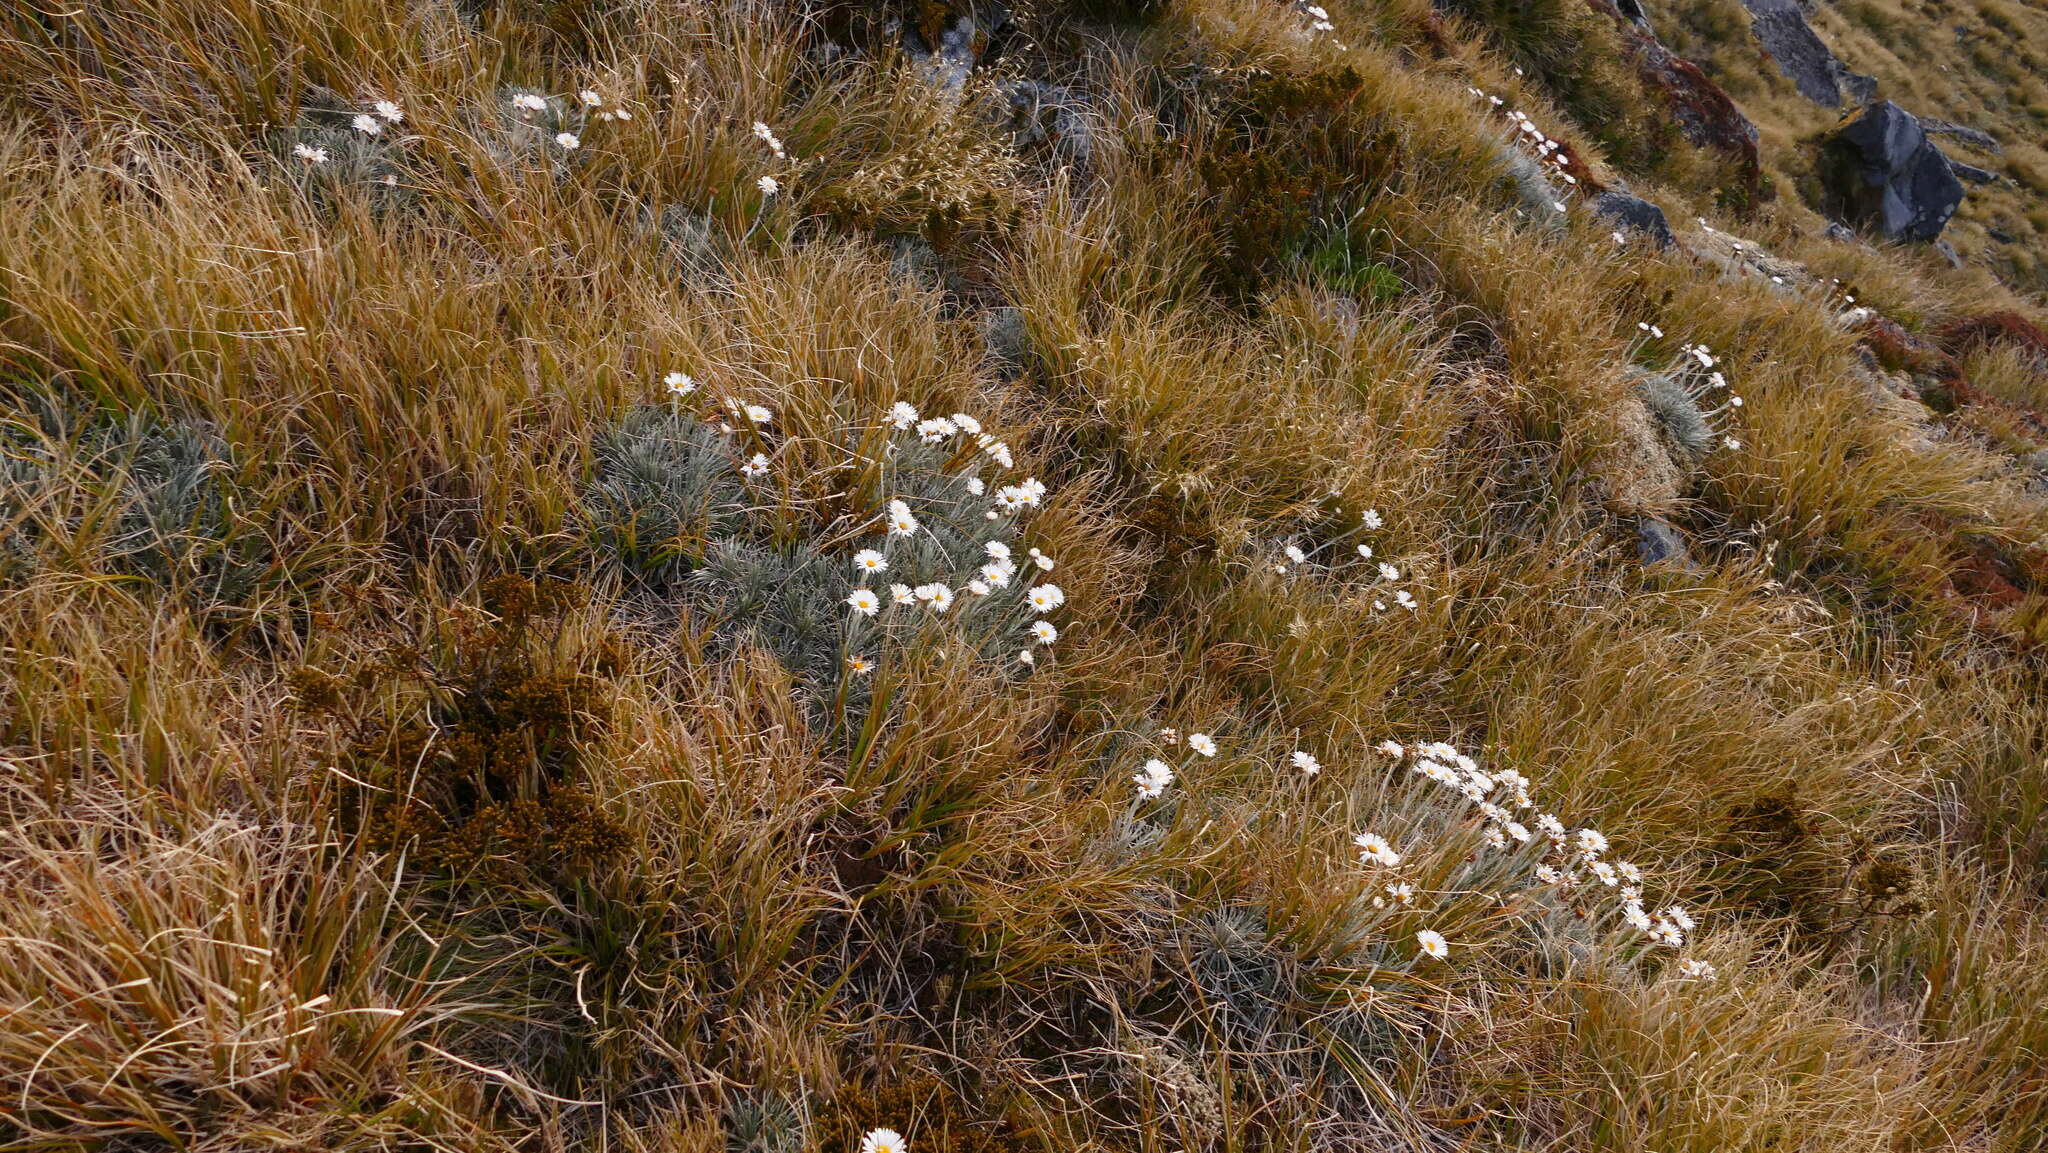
(278, 431)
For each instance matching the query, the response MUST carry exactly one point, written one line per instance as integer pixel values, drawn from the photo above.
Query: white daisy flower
(756, 467)
(864, 602)
(975, 486)
(978, 588)
(1391, 748)
(755, 413)
(1405, 599)
(1389, 572)
(1365, 552)
(768, 137)
(1043, 561)
(590, 99)
(1629, 872)
(1044, 632)
(1371, 518)
(1302, 759)
(967, 424)
(1152, 779)
(568, 140)
(1518, 831)
(1591, 842)
(367, 124)
(1495, 838)
(391, 112)
(1202, 743)
(1605, 872)
(768, 185)
(939, 597)
(1295, 554)
(1680, 917)
(996, 550)
(1697, 969)
(1548, 875)
(935, 430)
(902, 594)
(868, 560)
(680, 383)
(1025, 656)
(1433, 944)
(1634, 915)
(1375, 849)
(528, 102)
(884, 1141)
(310, 154)
(902, 415)
(1046, 597)
(901, 523)
(859, 666)
(996, 573)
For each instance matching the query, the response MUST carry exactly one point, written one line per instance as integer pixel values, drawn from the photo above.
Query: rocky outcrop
(1781, 29)
(1971, 172)
(1634, 214)
(1883, 173)
(1703, 112)
(1974, 137)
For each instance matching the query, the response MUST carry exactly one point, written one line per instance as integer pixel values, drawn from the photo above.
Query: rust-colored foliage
(485, 784)
(1965, 334)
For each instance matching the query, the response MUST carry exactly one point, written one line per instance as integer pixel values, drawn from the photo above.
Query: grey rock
(1781, 28)
(2037, 460)
(1970, 172)
(1859, 88)
(1949, 253)
(1883, 172)
(1975, 137)
(1634, 214)
(954, 56)
(1838, 231)
(1657, 543)
(1999, 234)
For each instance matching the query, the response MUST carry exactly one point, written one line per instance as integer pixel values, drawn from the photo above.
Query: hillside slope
(1151, 575)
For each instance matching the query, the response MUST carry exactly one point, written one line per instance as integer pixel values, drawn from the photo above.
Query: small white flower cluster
(591, 99)
(1294, 556)
(531, 104)
(884, 1141)
(1698, 372)
(1568, 860)
(769, 185)
(1319, 17)
(999, 570)
(1702, 362)
(1544, 148)
(1155, 775)
(372, 123)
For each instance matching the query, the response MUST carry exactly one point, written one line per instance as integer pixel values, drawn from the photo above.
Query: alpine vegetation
(928, 576)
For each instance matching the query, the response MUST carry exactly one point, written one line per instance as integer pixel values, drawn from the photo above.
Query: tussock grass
(418, 729)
